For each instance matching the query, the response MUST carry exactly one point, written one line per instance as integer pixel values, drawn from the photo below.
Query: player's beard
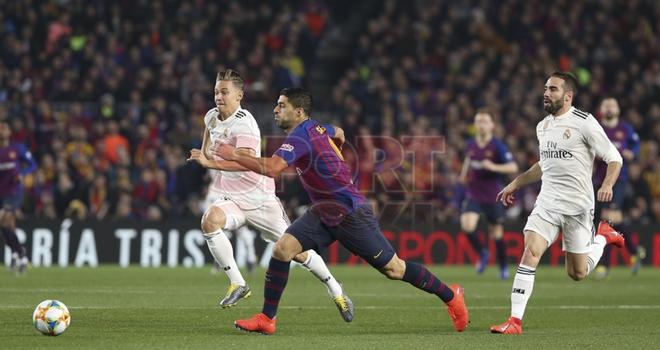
(553, 107)
(283, 124)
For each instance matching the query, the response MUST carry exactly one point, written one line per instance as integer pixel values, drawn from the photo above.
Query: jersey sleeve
(596, 138)
(247, 136)
(30, 165)
(633, 141)
(330, 129)
(504, 156)
(296, 146)
(209, 115)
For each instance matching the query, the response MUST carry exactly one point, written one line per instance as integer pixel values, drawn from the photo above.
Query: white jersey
(567, 145)
(247, 189)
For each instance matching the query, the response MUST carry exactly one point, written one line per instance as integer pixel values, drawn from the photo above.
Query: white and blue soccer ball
(51, 317)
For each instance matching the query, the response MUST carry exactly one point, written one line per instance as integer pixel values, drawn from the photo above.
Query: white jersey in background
(567, 147)
(247, 189)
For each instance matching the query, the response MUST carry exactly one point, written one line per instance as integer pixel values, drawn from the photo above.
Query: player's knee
(213, 220)
(395, 269)
(578, 275)
(282, 251)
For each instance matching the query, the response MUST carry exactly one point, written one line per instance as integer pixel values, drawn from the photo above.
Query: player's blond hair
(233, 76)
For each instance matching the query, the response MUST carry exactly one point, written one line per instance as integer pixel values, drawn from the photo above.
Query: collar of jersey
(230, 117)
(570, 110)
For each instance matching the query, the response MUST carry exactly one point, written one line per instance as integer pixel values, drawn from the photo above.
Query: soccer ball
(51, 317)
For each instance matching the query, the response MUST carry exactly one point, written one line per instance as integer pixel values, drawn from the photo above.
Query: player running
(626, 141)
(487, 158)
(247, 197)
(15, 162)
(338, 213)
(569, 140)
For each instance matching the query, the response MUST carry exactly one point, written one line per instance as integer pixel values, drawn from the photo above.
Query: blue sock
(475, 241)
(501, 252)
(422, 278)
(276, 277)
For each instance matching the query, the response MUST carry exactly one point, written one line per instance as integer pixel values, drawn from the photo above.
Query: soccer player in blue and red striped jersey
(626, 140)
(487, 159)
(338, 212)
(15, 162)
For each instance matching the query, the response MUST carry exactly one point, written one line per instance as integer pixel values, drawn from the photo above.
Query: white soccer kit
(244, 196)
(568, 145)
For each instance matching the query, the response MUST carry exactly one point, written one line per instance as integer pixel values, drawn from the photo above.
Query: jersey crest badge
(321, 130)
(567, 134)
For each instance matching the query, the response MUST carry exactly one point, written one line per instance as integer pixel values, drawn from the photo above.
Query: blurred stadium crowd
(110, 96)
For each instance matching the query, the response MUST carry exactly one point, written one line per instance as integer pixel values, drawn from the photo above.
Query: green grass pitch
(137, 308)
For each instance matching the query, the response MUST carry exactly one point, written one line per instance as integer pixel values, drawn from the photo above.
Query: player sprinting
(486, 160)
(569, 140)
(247, 197)
(624, 137)
(15, 162)
(338, 212)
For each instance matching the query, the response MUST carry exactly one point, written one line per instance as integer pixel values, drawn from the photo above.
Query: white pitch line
(366, 307)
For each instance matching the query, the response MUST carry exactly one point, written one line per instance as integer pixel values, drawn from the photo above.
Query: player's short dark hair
(233, 76)
(485, 110)
(570, 81)
(299, 98)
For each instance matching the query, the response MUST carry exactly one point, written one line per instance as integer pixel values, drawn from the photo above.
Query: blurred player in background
(486, 160)
(246, 197)
(626, 141)
(15, 162)
(339, 212)
(569, 141)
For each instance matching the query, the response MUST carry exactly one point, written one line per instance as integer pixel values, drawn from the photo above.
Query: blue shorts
(11, 202)
(618, 197)
(494, 212)
(359, 233)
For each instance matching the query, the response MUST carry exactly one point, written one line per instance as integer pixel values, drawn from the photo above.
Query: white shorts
(270, 219)
(577, 230)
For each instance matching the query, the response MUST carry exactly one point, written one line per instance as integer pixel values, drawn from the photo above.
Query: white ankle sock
(223, 253)
(316, 266)
(596, 252)
(523, 284)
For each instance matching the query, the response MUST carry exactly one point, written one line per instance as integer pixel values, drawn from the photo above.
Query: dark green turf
(138, 308)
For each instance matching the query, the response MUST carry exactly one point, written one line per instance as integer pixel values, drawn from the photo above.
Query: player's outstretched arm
(462, 178)
(339, 137)
(506, 168)
(605, 192)
(225, 165)
(271, 167)
(533, 174)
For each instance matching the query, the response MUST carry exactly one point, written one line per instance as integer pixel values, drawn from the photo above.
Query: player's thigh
(270, 219)
(494, 213)
(360, 234)
(310, 232)
(578, 233)
(222, 214)
(543, 223)
(469, 215)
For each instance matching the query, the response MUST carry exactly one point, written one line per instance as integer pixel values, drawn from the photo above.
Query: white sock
(523, 284)
(316, 266)
(223, 253)
(596, 251)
